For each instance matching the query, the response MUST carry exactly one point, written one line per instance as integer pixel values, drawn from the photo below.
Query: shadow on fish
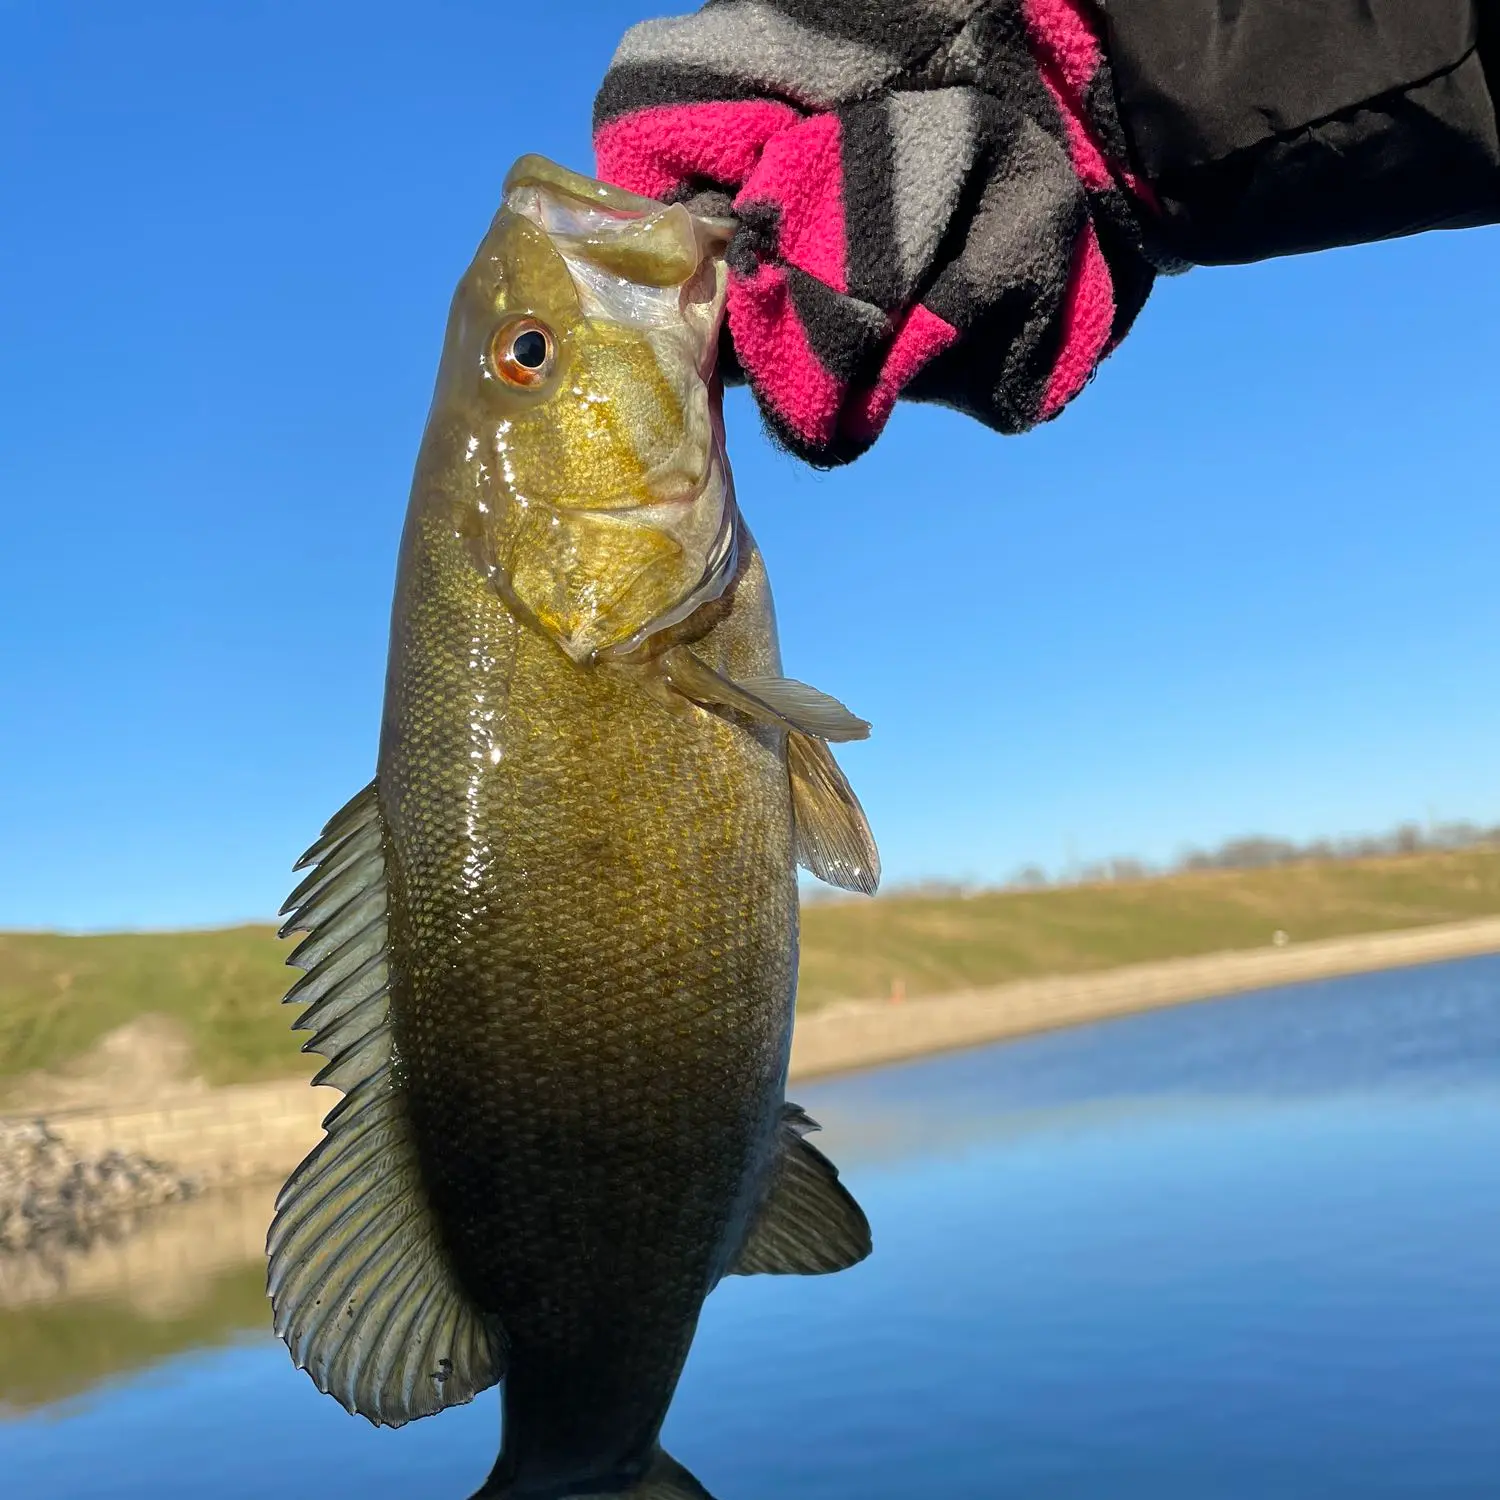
(551, 949)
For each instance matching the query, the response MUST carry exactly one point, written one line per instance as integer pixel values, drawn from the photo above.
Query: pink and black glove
(932, 195)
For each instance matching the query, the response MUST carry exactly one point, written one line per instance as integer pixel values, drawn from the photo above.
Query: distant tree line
(1257, 852)
(1254, 852)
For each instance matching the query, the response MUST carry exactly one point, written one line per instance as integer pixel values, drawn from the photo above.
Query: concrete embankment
(261, 1131)
(215, 1137)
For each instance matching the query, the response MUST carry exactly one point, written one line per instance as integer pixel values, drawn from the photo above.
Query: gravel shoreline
(51, 1196)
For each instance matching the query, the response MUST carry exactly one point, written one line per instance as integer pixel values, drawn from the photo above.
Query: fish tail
(666, 1479)
(663, 1479)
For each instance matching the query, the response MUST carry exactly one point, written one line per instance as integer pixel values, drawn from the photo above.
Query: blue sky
(1245, 584)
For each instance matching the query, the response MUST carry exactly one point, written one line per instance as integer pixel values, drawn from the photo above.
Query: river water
(1248, 1248)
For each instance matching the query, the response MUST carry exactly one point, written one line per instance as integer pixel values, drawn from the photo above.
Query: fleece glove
(933, 199)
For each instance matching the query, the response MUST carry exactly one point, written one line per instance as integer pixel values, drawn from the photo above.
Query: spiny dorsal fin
(809, 1224)
(361, 1290)
(834, 841)
(769, 700)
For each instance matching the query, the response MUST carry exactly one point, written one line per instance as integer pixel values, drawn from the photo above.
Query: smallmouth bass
(551, 948)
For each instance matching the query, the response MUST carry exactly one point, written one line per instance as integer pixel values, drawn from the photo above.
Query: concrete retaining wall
(216, 1136)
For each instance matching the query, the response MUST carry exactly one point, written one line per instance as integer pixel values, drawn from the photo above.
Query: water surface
(1249, 1248)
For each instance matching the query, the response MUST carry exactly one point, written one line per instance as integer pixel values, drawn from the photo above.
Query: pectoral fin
(361, 1289)
(834, 841)
(808, 1224)
(768, 700)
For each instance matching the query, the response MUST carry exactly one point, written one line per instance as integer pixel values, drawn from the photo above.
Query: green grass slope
(937, 944)
(59, 995)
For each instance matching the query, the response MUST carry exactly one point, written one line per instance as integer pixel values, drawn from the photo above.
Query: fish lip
(536, 171)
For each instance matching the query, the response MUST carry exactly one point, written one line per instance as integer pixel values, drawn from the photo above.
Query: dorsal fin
(809, 1224)
(361, 1289)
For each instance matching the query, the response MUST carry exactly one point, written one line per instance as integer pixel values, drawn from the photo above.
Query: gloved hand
(932, 194)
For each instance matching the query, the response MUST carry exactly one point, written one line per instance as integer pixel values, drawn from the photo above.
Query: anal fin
(809, 1223)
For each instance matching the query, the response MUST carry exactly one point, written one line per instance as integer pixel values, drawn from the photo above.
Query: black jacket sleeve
(1267, 127)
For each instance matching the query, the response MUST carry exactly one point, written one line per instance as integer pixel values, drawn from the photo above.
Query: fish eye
(522, 352)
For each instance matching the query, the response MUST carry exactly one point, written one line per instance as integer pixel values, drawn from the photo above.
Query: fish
(549, 953)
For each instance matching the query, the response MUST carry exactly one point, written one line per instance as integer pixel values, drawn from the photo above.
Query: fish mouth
(641, 239)
(636, 263)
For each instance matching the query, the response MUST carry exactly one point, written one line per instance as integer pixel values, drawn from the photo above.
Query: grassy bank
(937, 944)
(60, 995)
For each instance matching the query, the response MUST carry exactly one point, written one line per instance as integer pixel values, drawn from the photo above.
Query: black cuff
(1267, 127)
